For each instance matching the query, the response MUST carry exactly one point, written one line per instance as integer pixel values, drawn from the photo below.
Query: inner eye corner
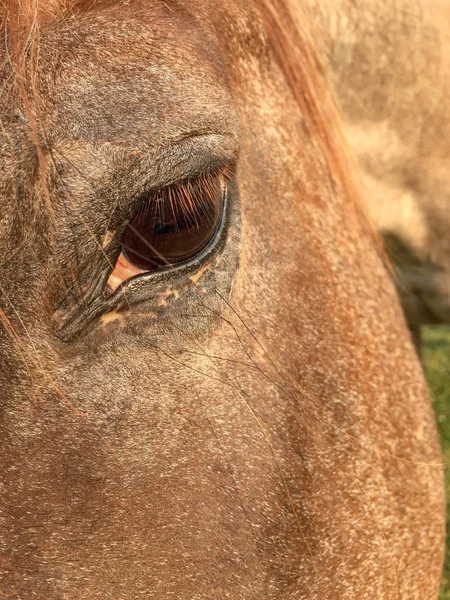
(172, 227)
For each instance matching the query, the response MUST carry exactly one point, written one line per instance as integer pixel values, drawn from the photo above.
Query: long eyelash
(188, 199)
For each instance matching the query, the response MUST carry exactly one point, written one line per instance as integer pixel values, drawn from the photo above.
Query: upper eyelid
(152, 167)
(223, 170)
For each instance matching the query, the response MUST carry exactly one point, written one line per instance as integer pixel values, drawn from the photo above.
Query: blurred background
(436, 355)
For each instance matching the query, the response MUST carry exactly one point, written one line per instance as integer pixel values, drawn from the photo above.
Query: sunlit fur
(258, 427)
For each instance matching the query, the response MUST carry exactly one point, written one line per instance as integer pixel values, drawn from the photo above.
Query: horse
(402, 153)
(209, 389)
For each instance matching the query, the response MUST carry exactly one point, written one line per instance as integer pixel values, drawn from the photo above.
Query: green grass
(437, 366)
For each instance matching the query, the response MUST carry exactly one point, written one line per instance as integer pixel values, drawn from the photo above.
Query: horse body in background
(391, 74)
(238, 413)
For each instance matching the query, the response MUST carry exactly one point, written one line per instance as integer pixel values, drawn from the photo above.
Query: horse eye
(171, 228)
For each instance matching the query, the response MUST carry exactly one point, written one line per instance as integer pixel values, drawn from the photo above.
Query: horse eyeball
(171, 227)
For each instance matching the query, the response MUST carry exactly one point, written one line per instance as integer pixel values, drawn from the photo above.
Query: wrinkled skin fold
(256, 425)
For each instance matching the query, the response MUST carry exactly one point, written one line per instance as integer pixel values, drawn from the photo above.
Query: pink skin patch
(123, 271)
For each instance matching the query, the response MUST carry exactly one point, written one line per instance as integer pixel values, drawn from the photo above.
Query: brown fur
(256, 427)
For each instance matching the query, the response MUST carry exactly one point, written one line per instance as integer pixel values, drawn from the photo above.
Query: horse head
(208, 387)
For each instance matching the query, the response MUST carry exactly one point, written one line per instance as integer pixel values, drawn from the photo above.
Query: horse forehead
(142, 34)
(136, 71)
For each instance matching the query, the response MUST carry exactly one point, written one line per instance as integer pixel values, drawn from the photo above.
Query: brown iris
(172, 227)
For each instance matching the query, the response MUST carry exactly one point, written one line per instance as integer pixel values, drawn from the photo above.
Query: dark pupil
(175, 225)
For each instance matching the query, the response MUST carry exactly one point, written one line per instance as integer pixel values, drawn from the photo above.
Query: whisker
(243, 395)
(331, 424)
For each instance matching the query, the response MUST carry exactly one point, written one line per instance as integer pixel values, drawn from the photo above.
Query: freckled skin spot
(167, 295)
(197, 276)
(171, 293)
(111, 318)
(107, 239)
